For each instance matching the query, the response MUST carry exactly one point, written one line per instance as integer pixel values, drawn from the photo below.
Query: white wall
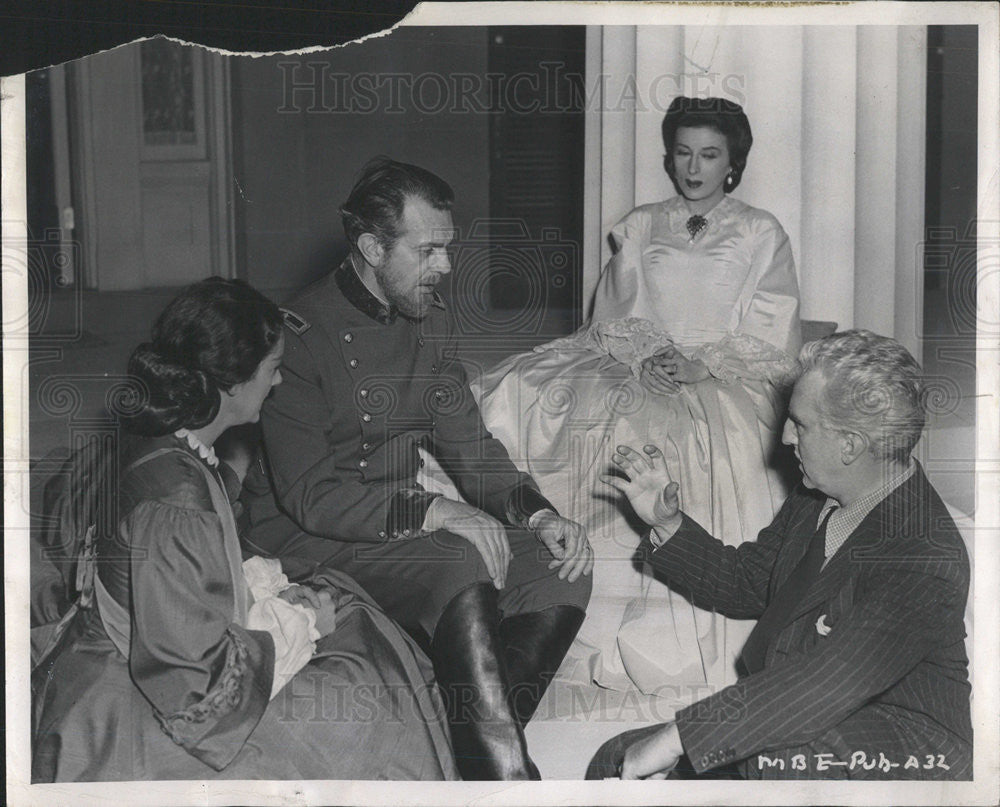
(838, 117)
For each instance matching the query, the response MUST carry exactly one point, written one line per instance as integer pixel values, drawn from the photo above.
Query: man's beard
(410, 303)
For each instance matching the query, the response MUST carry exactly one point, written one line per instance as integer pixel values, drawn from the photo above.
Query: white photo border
(986, 656)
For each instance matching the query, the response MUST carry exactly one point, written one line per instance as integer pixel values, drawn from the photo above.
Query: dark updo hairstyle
(209, 338)
(724, 116)
(376, 202)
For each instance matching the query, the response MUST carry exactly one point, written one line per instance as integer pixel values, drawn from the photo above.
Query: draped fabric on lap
(184, 689)
(729, 297)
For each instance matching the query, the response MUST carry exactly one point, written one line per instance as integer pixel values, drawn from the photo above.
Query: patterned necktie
(695, 225)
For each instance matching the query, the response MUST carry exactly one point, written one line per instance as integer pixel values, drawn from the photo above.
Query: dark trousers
(415, 580)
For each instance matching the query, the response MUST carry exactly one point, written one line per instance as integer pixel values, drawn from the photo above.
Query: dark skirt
(365, 707)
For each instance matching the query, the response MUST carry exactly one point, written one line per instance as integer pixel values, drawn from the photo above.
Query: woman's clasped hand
(323, 600)
(667, 369)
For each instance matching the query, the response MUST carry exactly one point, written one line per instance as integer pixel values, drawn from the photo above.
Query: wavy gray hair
(873, 386)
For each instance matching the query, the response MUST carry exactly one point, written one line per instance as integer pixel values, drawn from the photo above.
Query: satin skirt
(561, 413)
(364, 707)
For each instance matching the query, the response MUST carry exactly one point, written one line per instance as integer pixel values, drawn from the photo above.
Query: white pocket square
(821, 627)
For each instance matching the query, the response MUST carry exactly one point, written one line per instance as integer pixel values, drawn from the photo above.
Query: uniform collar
(358, 295)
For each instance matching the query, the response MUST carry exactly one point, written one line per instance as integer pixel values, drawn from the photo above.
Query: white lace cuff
(629, 341)
(292, 626)
(264, 576)
(738, 356)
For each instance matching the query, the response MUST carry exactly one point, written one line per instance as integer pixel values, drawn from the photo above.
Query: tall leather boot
(471, 672)
(534, 646)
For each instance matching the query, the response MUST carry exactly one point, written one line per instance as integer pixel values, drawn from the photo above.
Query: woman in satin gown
(694, 326)
(191, 663)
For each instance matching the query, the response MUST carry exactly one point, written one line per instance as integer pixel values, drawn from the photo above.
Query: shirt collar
(846, 520)
(360, 297)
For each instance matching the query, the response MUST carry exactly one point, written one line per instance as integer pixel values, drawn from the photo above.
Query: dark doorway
(43, 214)
(536, 140)
(950, 261)
(952, 169)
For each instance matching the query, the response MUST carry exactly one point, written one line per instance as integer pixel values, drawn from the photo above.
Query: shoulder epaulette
(294, 322)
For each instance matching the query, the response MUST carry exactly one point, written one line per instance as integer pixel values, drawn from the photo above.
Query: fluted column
(911, 148)
(659, 63)
(875, 178)
(826, 253)
(618, 121)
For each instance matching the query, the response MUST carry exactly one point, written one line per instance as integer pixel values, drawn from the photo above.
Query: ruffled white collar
(207, 453)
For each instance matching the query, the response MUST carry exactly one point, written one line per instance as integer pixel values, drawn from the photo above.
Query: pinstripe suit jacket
(894, 596)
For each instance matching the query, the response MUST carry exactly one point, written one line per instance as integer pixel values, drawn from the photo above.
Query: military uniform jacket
(893, 597)
(363, 387)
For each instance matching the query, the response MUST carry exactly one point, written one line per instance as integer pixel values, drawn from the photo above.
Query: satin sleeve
(207, 678)
(619, 290)
(766, 335)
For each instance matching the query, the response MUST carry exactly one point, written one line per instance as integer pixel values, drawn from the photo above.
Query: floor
(82, 347)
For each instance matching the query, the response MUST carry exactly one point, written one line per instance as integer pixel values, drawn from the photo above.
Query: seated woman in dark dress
(195, 664)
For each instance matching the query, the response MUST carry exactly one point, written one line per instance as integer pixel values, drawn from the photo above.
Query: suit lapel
(801, 532)
(838, 569)
(873, 536)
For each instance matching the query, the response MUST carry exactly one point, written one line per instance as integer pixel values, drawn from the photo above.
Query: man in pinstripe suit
(857, 667)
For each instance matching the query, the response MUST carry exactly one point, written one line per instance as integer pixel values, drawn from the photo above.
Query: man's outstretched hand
(648, 487)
